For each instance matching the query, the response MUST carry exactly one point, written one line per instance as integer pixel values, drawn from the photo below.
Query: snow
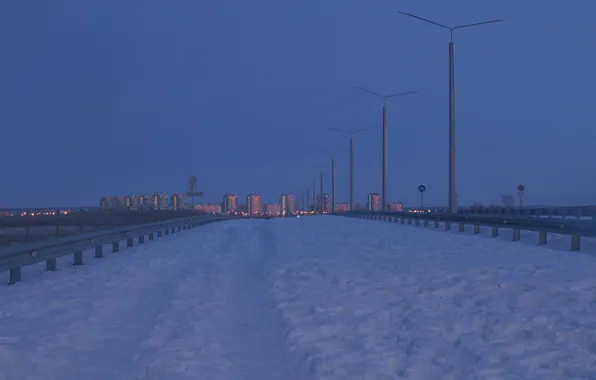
(307, 298)
(387, 301)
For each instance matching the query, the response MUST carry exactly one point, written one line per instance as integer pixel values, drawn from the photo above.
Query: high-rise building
(145, 201)
(273, 209)
(130, 202)
(254, 204)
(178, 201)
(291, 203)
(283, 204)
(395, 206)
(106, 203)
(159, 201)
(326, 202)
(374, 202)
(229, 204)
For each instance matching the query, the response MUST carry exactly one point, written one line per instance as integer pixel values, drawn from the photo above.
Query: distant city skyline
(287, 204)
(244, 99)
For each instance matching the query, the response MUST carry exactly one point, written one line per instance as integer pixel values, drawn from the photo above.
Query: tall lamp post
(351, 134)
(384, 168)
(452, 187)
(333, 154)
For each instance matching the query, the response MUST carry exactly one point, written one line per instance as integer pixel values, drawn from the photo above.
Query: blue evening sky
(118, 97)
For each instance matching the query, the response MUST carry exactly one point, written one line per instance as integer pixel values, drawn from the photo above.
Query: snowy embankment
(374, 300)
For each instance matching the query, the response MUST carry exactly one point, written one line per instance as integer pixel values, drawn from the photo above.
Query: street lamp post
(384, 168)
(333, 206)
(351, 134)
(452, 184)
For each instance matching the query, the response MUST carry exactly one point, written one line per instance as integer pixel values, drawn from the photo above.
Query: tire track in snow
(223, 323)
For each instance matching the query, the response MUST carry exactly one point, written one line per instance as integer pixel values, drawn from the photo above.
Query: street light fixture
(384, 169)
(351, 134)
(333, 154)
(452, 188)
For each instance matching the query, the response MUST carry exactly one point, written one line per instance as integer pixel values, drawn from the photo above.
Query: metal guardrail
(545, 211)
(37, 225)
(574, 228)
(13, 258)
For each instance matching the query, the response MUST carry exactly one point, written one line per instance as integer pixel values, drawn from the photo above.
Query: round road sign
(422, 188)
(521, 188)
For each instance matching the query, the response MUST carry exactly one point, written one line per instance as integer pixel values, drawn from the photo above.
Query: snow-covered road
(317, 298)
(194, 307)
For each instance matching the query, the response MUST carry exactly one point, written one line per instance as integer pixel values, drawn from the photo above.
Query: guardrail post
(575, 242)
(99, 252)
(461, 227)
(51, 265)
(447, 226)
(495, 231)
(409, 221)
(151, 236)
(14, 276)
(116, 246)
(129, 242)
(541, 237)
(78, 258)
(436, 223)
(516, 234)
(476, 229)
(141, 239)
(425, 222)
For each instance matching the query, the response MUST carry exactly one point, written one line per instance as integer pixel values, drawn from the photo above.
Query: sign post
(520, 191)
(192, 190)
(421, 189)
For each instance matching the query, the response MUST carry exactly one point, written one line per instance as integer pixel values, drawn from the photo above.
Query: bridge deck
(306, 298)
